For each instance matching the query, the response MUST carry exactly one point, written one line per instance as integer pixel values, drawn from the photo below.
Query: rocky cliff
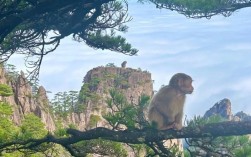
(92, 99)
(95, 91)
(133, 83)
(24, 101)
(243, 116)
(223, 109)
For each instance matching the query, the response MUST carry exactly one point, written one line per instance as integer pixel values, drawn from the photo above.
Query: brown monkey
(123, 65)
(166, 107)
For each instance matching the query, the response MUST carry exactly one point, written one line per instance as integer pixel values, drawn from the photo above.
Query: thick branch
(143, 136)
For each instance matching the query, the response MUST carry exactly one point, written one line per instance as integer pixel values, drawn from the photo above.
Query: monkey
(166, 106)
(123, 65)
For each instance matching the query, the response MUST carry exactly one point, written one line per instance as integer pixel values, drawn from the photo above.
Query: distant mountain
(223, 109)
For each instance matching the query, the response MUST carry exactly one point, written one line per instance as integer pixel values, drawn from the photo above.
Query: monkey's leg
(168, 127)
(169, 122)
(178, 121)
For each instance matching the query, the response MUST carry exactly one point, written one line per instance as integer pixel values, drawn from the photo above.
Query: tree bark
(140, 136)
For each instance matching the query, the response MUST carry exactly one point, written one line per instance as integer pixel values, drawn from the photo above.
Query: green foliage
(111, 41)
(94, 119)
(5, 90)
(32, 127)
(61, 132)
(87, 93)
(45, 150)
(108, 76)
(13, 154)
(87, 90)
(72, 126)
(64, 103)
(80, 107)
(83, 94)
(5, 109)
(234, 146)
(101, 147)
(195, 5)
(243, 150)
(186, 153)
(124, 113)
(121, 82)
(142, 150)
(34, 88)
(201, 8)
(94, 83)
(11, 73)
(144, 101)
(8, 131)
(175, 151)
(198, 120)
(110, 65)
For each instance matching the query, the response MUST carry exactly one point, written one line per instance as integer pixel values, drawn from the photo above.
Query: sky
(216, 52)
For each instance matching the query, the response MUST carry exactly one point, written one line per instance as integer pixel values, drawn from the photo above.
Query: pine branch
(139, 136)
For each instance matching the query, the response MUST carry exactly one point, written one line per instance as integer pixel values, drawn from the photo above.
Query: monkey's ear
(180, 82)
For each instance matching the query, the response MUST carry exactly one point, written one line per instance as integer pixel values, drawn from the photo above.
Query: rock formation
(123, 64)
(98, 81)
(221, 108)
(133, 83)
(23, 101)
(243, 116)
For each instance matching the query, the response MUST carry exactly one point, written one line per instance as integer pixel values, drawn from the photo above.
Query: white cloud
(218, 22)
(51, 69)
(243, 85)
(239, 47)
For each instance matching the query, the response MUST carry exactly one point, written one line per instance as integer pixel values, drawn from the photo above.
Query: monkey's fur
(166, 107)
(123, 65)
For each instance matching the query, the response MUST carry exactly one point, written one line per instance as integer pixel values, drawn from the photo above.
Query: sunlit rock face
(221, 108)
(100, 80)
(24, 102)
(243, 116)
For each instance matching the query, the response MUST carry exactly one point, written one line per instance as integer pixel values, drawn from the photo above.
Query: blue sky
(215, 52)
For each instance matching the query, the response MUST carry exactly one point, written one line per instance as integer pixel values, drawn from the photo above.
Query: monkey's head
(182, 82)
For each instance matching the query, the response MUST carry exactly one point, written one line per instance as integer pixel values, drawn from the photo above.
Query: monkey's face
(182, 82)
(186, 86)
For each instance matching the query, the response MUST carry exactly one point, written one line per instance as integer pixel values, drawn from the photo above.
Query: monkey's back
(167, 100)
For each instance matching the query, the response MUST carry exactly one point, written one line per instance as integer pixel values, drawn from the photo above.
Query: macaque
(123, 65)
(166, 107)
